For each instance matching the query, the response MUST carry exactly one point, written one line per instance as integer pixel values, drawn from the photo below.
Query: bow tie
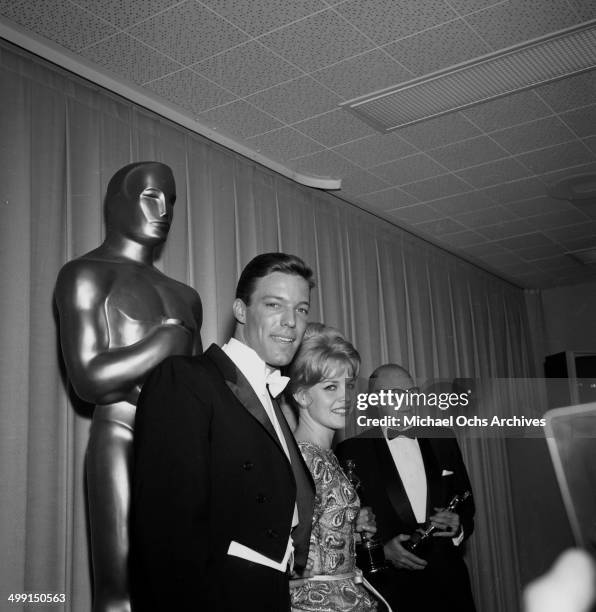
(393, 432)
(276, 383)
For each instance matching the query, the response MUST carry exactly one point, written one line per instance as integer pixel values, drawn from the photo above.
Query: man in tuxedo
(407, 479)
(222, 500)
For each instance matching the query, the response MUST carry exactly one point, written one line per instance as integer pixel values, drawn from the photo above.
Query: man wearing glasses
(409, 477)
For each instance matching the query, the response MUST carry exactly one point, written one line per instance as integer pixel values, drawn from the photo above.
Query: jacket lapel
(393, 483)
(433, 476)
(305, 491)
(241, 389)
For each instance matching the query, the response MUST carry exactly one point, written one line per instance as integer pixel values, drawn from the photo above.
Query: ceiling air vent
(523, 66)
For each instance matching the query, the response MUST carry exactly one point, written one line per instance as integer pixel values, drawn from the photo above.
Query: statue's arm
(100, 374)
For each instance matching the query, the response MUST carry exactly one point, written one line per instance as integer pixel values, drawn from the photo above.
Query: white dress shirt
(408, 461)
(255, 370)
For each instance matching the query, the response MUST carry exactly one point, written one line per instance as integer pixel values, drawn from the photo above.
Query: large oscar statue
(119, 317)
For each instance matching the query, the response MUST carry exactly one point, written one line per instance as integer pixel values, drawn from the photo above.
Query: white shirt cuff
(248, 554)
(458, 539)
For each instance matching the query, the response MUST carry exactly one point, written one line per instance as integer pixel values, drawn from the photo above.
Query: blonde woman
(321, 377)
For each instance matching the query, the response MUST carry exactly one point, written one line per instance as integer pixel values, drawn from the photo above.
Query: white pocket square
(447, 473)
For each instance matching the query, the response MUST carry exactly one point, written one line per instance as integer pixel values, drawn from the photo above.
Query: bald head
(389, 376)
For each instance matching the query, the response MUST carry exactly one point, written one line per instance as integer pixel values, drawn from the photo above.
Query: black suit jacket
(383, 490)
(208, 469)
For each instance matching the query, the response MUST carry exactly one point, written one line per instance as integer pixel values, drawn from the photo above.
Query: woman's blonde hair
(323, 351)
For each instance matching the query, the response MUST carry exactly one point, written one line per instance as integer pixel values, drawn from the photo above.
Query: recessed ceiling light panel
(521, 67)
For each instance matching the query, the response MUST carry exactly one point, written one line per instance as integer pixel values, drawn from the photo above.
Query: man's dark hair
(265, 264)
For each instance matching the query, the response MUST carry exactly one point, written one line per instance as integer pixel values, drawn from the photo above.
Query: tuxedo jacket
(383, 489)
(208, 469)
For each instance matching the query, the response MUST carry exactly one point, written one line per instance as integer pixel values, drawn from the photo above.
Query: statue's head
(140, 201)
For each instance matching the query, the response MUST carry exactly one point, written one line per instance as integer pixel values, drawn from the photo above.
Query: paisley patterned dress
(331, 540)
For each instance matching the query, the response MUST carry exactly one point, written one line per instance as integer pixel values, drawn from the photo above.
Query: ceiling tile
(507, 111)
(530, 280)
(188, 32)
(334, 128)
(413, 214)
(362, 74)
(496, 172)
(572, 232)
(586, 207)
(435, 188)
(534, 135)
(526, 241)
(515, 190)
(502, 259)
(374, 150)
(590, 142)
(569, 154)
(551, 178)
(516, 21)
(573, 277)
(130, 59)
(461, 203)
(387, 20)
(190, 91)
(572, 92)
(408, 169)
(317, 41)
(295, 100)
(586, 9)
(259, 16)
(463, 239)
(484, 217)
(325, 163)
(358, 182)
(440, 47)
(285, 143)
(470, 152)
(388, 199)
(579, 244)
(539, 280)
(538, 206)
(247, 68)
(557, 219)
(59, 21)
(440, 227)
(540, 252)
(438, 132)
(124, 14)
(6, 5)
(482, 250)
(463, 7)
(519, 270)
(582, 121)
(239, 118)
(506, 229)
(559, 262)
